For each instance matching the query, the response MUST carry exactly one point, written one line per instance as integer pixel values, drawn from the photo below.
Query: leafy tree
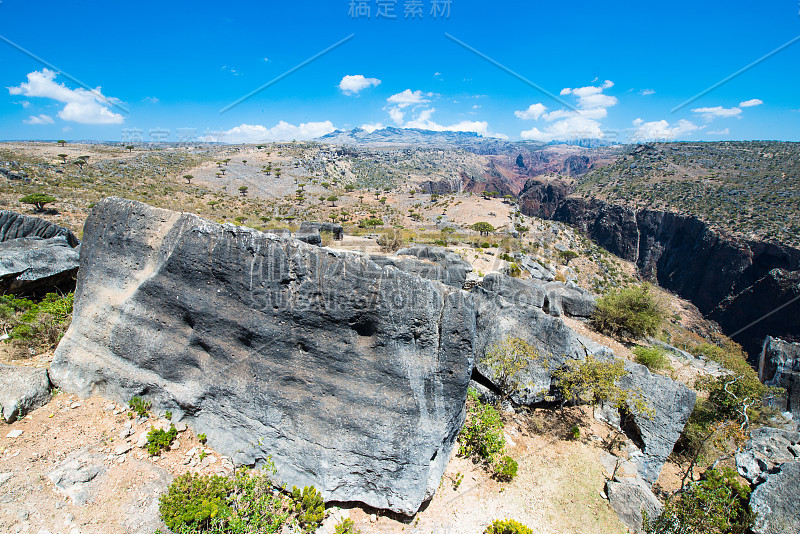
(80, 163)
(390, 241)
(188, 178)
(481, 436)
(595, 381)
(38, 200)
(130, 148)
(567, 256)
(505, 360)
(61, 142)
(349, 188)
(633, 312)
(507, 526)
(332, 199)
(63, 158)
(243, 190)
(244, 162)
(483, 227)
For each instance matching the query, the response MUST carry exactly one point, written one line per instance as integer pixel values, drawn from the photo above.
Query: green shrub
(506, 469)
(159, 440)
(507, 526)
(575, 432)
(566, 256)
(36, 325)
(249, 503)
(631, 312)
(309, 507)
(717, 504)
(652, 357)
(505, 360)
(202, 438)
(481, 436)
(346, 527)
(139, 406)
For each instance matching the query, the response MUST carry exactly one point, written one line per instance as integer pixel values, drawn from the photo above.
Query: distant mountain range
(392, 136)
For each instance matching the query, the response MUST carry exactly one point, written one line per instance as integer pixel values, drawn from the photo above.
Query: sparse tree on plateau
(61, 142)
(188, 178)
(38, 200)
(243, 190)
(63, 158)
(130, 148)
(332, 199)
(483, 227)
(80, 163)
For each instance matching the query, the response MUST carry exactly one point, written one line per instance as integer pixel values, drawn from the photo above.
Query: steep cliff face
(737, 283)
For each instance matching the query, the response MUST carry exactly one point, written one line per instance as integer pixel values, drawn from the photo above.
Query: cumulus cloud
(592, 105)
(39, 119)
(81, 105)
(751, 103)
(646, 92)
(354, 84)
(661, 130)
(534, 111)
(283, 131)
(710, 114)
(409, 98)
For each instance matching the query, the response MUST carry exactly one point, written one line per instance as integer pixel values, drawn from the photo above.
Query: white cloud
(409, 98)
(371, 127)
(576, 123)
(150, 100)
(353, 84)
(534, 111)
(710, 114)
(83, 106)
(283, 131)
(25, 104)
(396, 115)
(661, 130)
(751, 103)
(645, 92)
(66, 129)
(726, 131)
(39, 119)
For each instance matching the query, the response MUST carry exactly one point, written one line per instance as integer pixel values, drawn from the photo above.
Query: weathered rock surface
(630, 497)
(22, 389)
(536, 269)
(765, 451)
(779, 366)
(733, 281)
(351, 376)
(337, 230)
(438, 264)
(74, 476)
(36, 256)
(774, 502)
(672, 404)
(16, 225)
(32, 265)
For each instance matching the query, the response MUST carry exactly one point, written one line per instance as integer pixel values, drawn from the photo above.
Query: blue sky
(166, 69)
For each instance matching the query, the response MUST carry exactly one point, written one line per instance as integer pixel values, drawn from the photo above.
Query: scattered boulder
(16, 225)
(22, 389)
(337, 230)
(437, 264)
(779, 366)
(74, 476)
(34, 266)
(630, 497)
(765, 451)
(571, 300)
(536, 269)
(672, 404)
(312, 236)
(352, 377)
(774, 502)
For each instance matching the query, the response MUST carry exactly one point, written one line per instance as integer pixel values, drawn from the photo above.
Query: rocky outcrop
(779, 366)
(22, 389)
(508, 307)
(16, 225)
(351, 376)
(774, 502)
(336, 230)
(765, 451)
(34, 266)
(631, 498)
(732, 281)
(437, 264)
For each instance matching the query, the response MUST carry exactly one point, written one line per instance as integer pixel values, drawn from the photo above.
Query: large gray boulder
(765, 451)
(337, 230)
(32, 265)
(656, 433)
(22, 389)
(779, 366)
(774, 502)
(352, 377)
(631, 498)
(14, 225)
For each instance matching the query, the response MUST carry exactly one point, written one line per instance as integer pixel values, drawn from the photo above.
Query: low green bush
(631, 312)
(506, 469)
(346, 527)
(717, 504)
(36, 325)
(507, 526)
(653, 358)
(139, 406)
(160, 440)
(481, 436)
(309, 508)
